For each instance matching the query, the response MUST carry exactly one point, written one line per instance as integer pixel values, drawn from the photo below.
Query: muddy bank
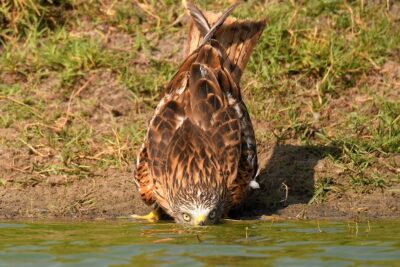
(113, 193)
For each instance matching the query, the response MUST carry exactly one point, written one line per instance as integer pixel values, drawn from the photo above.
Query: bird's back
(201, 135)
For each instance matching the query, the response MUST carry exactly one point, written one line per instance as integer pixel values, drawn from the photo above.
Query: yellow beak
(199, 220)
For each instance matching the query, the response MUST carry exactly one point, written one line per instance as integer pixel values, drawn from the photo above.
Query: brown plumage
(199, 154)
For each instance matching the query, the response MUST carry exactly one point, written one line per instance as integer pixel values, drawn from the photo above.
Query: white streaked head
(198, 216)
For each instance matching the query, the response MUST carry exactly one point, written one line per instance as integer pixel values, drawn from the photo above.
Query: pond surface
(245, 243)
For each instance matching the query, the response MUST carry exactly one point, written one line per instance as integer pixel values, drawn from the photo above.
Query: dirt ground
(113, 194)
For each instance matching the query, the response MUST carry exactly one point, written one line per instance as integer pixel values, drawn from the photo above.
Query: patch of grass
(70, 57)
(149, 81)
(322, 188)
(323, 40)
(17, 17)
(309, 79)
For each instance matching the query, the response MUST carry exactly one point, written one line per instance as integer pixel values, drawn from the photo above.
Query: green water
(248, 243)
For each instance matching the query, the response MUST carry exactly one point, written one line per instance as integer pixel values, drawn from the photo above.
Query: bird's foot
(152, 216)
(273, 218)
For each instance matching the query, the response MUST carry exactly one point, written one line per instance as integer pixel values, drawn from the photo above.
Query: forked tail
(237, 37)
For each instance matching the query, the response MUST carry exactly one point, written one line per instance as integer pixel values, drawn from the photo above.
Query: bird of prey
(199, 155)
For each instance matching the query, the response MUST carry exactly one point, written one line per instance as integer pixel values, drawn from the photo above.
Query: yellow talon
(273, 218)
(153, 216)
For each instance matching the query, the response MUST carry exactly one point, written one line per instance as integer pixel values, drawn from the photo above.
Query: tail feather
(198, 18)
(237, 37)
(218, 23)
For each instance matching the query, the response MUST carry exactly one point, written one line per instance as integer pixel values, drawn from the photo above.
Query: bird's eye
(186, 217)
(212, 214)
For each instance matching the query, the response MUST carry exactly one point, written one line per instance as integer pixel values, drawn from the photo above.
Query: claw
(273, 218)
(153, 216)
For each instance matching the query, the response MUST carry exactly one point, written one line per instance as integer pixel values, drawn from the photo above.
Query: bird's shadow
(286, 179)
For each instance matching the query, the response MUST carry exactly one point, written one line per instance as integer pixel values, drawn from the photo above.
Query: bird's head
(199, 207)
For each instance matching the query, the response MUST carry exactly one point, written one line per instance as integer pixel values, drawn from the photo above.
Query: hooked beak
(200, 220)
